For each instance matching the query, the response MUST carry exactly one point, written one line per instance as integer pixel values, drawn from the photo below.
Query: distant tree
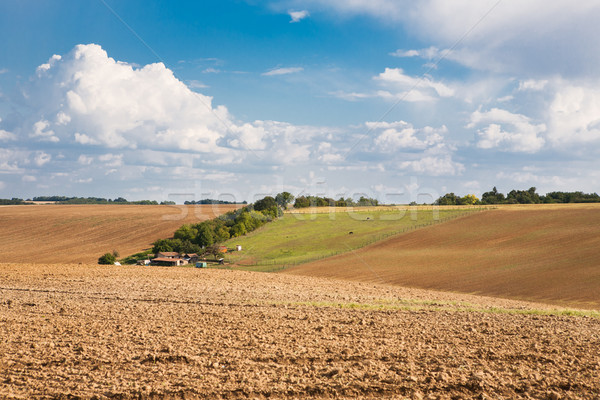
(115, 253)
(265, 203)
(493, 197)
(214, 250)
(162, 245)
(186, 232)
(107, 259)
(283, 199)
(469, 199)
(449, 199)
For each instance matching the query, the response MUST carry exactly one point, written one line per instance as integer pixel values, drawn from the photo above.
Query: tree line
(316, 201)
(98, 200)
(204, 236)
(211, 201)
(518, 197)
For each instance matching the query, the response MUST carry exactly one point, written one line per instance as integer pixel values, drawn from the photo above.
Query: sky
(235, 100)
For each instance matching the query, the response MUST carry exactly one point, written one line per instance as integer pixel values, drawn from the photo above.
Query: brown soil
(82, 233)
(92, 332)
(546, 254)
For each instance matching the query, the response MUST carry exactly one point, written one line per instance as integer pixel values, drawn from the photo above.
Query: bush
(107, 259)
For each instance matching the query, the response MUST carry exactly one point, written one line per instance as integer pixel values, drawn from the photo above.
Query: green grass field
(300, 238)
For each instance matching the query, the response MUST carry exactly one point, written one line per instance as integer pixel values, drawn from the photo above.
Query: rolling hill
(547, 254)
(81, 233)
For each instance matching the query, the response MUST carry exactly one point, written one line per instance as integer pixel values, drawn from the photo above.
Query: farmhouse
(169, 261)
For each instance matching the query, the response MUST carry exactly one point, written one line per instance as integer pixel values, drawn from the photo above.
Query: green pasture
(299, 238)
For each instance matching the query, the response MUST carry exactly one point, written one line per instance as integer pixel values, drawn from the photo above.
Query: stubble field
(91, 332)
(82, 233)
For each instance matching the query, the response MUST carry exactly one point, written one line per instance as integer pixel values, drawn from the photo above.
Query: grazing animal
(350, 233)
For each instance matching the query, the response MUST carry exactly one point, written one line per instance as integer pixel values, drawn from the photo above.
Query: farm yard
(94, 332)
(81, 233)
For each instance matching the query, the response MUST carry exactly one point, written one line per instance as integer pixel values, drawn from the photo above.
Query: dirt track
(538, 253)
(75, 332)
(82, 233)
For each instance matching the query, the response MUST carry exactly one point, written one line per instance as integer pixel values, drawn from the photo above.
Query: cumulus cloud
(297, 16)
(88, 97)
(402, 135)
(574, 114)
(283, 71)
(522, 135)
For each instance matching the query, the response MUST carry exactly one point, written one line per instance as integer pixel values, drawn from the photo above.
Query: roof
(190, 255)
(166, 259)
(168, 253)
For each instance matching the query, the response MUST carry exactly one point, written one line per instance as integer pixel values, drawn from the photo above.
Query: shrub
(107, 259)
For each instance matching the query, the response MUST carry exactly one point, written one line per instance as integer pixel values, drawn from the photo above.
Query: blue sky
(399, 100)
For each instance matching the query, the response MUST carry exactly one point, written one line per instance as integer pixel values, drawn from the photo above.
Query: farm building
(191, 258)
(169, 261)
(167, 254)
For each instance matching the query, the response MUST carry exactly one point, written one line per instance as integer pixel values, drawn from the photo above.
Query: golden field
(82, 233)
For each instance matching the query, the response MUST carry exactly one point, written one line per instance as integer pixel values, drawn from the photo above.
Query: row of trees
(212, 201)
(97, 200)
(519, 197)
(194, 238)
(15, 201)
(315, 201)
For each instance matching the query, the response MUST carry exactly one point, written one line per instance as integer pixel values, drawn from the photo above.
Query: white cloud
(504, 36)
(40, 131)
(523, 136)
(3, 71)
(6, 136)
(574, 114)
(401, 135)
(100, 101)
(298, 15)
(84, 139)
(429, 53)
(532, 84)
(425, 88)
(434, 166)
(29, 178)
(283, 71)
(41, 158)
(85, 160)
(112, 160)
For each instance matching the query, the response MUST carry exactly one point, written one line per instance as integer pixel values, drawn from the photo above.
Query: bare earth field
(540, 253)
(92, 332)
(82, 233)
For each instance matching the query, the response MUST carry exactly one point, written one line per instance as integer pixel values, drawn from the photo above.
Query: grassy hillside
(81, 233)
(306, 236)
(549, 254)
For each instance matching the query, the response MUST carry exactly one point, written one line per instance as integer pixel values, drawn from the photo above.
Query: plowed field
(91, 332)
(82, 233)
(547, 254)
